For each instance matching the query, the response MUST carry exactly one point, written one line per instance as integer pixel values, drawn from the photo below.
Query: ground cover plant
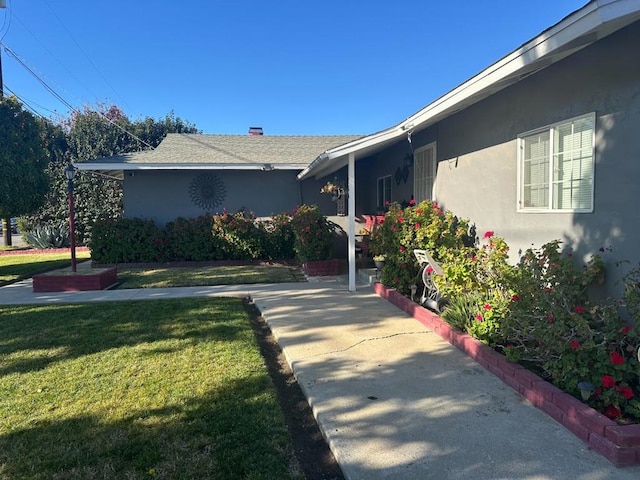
(17, 267)
(211, 275)
(162, 389)
(538, 312)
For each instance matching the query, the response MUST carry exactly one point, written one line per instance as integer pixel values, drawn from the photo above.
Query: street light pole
(69, 172)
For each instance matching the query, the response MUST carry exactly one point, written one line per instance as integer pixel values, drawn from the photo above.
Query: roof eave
(94, 166)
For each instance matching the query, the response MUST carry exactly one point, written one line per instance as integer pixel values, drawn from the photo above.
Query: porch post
(351, 232)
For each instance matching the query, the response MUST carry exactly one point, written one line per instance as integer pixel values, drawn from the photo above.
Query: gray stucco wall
(477, 152)
(164, 195)
(477, 149)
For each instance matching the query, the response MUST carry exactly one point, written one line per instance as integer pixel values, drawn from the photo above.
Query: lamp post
(69, 172)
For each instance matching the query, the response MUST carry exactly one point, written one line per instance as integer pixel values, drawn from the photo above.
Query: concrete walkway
(393, 399)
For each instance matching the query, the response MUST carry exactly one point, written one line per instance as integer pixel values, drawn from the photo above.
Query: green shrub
(192, 239)
(313, 234)
(127, 240)
(423, 226)
(240, 238)
(278, 237)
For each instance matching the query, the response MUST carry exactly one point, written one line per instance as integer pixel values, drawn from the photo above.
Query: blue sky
(292, 67)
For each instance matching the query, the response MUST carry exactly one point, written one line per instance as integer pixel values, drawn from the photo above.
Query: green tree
(87, 135)
(23, 160)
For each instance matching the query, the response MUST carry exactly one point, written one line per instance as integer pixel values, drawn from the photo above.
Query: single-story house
(543, 144)
(188, 175)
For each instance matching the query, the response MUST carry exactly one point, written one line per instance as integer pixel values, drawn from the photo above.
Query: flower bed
(620, 444)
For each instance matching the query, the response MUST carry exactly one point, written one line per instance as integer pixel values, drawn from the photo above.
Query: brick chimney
(255, 131)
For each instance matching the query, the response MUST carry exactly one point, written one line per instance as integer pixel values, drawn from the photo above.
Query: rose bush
(313, 234)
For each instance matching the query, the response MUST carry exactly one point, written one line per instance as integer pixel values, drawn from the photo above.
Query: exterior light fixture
(586, 389)
(414, 289)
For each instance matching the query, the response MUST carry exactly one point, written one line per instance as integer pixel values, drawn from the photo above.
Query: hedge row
(206, 238)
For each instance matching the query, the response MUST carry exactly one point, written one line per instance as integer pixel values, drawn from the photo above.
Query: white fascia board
(185, 166)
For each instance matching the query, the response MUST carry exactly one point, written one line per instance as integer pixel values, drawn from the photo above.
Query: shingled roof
(180, 150)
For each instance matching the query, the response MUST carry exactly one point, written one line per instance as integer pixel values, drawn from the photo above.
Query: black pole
(72, 228)
(5, 224)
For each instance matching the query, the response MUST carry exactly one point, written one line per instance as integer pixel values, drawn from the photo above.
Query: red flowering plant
(483, 274)
(418, 226)
(555, 329)
(313, 234)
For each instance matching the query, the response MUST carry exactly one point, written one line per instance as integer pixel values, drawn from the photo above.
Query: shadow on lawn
(212, 436)
(52, 333)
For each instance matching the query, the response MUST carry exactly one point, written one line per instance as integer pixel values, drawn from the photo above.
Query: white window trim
(550, 209)
(434, 167)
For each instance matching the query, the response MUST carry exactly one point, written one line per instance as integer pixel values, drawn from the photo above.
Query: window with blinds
(556, 167)
(424, 173)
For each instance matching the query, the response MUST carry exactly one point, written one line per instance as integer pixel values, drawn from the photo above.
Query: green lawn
(217, 275)
(19, 266)
(162, 389)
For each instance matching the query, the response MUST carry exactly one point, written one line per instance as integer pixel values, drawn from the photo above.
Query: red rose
(615, 358)
(608, 381)
(575, 345)
(402, 248)
(479, 318)
(515, 298)
(412, 202)
(579, 309)
(550, 318)
(488, 234)
(626, 329)
(626, 392)
(487, 306)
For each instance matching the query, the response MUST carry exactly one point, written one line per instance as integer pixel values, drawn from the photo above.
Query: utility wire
(30, 104)
(63, 101)
(84, 53)
(53, 56)
(8, 14)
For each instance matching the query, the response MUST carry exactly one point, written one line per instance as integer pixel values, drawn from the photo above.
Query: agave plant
(49, 235)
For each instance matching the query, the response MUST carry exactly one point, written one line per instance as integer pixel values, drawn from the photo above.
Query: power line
(53, 55)
(30, 103)
(15, 56)
(84, 53)
(8, 14)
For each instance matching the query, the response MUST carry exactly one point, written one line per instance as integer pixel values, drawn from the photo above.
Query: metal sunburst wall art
(207, 191)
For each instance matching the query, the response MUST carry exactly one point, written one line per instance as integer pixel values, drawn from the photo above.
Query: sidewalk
(393, 399)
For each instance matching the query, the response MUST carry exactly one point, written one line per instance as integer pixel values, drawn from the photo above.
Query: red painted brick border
(321, 268)
(620, 444)
(98, 280)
